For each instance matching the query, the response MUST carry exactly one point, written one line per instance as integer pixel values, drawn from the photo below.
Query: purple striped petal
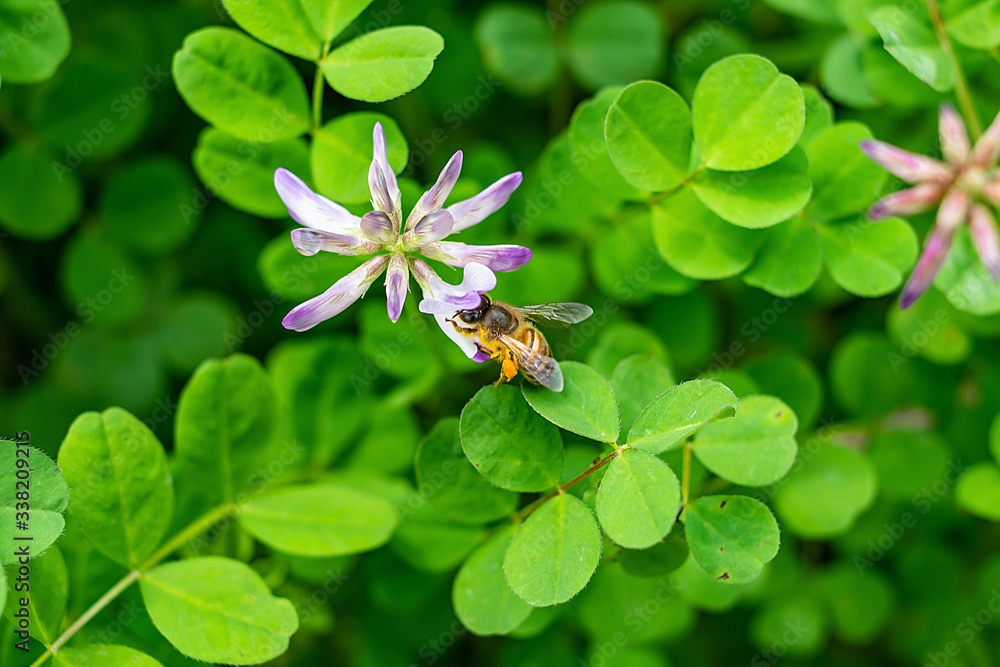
(310, 241)
(380, 163)
(311, 209)
(436, 196)
(474, 210)
(496, 257)
(987, 148)
(381, 198)
(342, 294)
(953, 211)
(931, 259)
(910, 167)
(954, 137)
(910, 201)
(434, 226)
(983, 229)
(397, 282)
(377, 226)
(443, 298)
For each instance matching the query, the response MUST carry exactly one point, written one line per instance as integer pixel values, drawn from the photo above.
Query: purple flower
(443, 300)
(959, 186)
(330, 227)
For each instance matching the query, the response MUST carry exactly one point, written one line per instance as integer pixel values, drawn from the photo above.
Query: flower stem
(686, 474)
(318, 88)
(193, 529)
(961, 86)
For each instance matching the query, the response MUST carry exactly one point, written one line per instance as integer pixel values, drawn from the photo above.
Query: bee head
(469, 319)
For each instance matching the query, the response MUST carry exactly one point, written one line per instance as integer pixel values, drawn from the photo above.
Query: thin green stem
(318, 87)
(522, 513)
(961, 85)
(181, 538)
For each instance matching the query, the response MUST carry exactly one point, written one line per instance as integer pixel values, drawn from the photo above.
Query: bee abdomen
(544, 365)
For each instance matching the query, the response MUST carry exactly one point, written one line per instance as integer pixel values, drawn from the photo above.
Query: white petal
(311, 209)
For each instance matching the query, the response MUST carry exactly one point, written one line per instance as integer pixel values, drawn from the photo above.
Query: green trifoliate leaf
(698, 243)
(842, 74)
(319, 520)
(914, 45)
(242, 174)
(977, 25)
(36, 202)
(510, 444)
(755, 448)
(978, 491)
(614, 42)
(965, 281)
(383, 64)
(330, 17)
(585, 406)
(759, 198)
(679, 412)
(483, 601)
(227, 429)
(218, 610)
(923, 457)
(589, 149)
(638, 500)
(48, 495)
(648, 132)
(819, 113)
(789, 260)
(106, 655)
(703, 592)
(867, 374)
(794, 380)
(160, 192)
(636, 381)
(869, 258)
(452, 484)
(46, 587)
(92, 268)
(817, 11)
(731, 537)
(124, 509)
(518, 47)
(623, 339)
(745, 114)
(844, 180)
(798, 610)
(36, 39)
(282, 24)
(931, 328)
(554, 552)
(659, 559)
(826, 491)
(241, 86)
(860, 606)
(342, 152)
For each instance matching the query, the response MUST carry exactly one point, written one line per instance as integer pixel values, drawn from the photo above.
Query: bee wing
(559, 315)
(541, 368)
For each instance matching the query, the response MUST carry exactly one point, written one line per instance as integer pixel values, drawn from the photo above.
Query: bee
(507, 334)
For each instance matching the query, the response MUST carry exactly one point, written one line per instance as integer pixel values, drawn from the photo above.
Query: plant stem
(175, 543)
(961, 86)
(520, 515)
(318, 88)
(686, 474)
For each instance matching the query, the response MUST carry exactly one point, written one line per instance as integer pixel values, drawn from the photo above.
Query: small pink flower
(961, 186)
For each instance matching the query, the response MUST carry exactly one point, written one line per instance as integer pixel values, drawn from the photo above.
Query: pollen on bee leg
(508, 369)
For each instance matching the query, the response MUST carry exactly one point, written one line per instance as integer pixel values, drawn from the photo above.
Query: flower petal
(910, 201)
(931, 259)
(438, 193)
(475, 209)
(987, 148)
(954, 209)
(397, 282)
(444, 298)
(466, 343)
(380, 163)
(377, 226)
(434, 226)
(983, 229)
(381, 199)
(496, 257)
(910, 167)
(954, 137)
(310, 241)
(311, 209)
(343, 293)
(992, 188)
